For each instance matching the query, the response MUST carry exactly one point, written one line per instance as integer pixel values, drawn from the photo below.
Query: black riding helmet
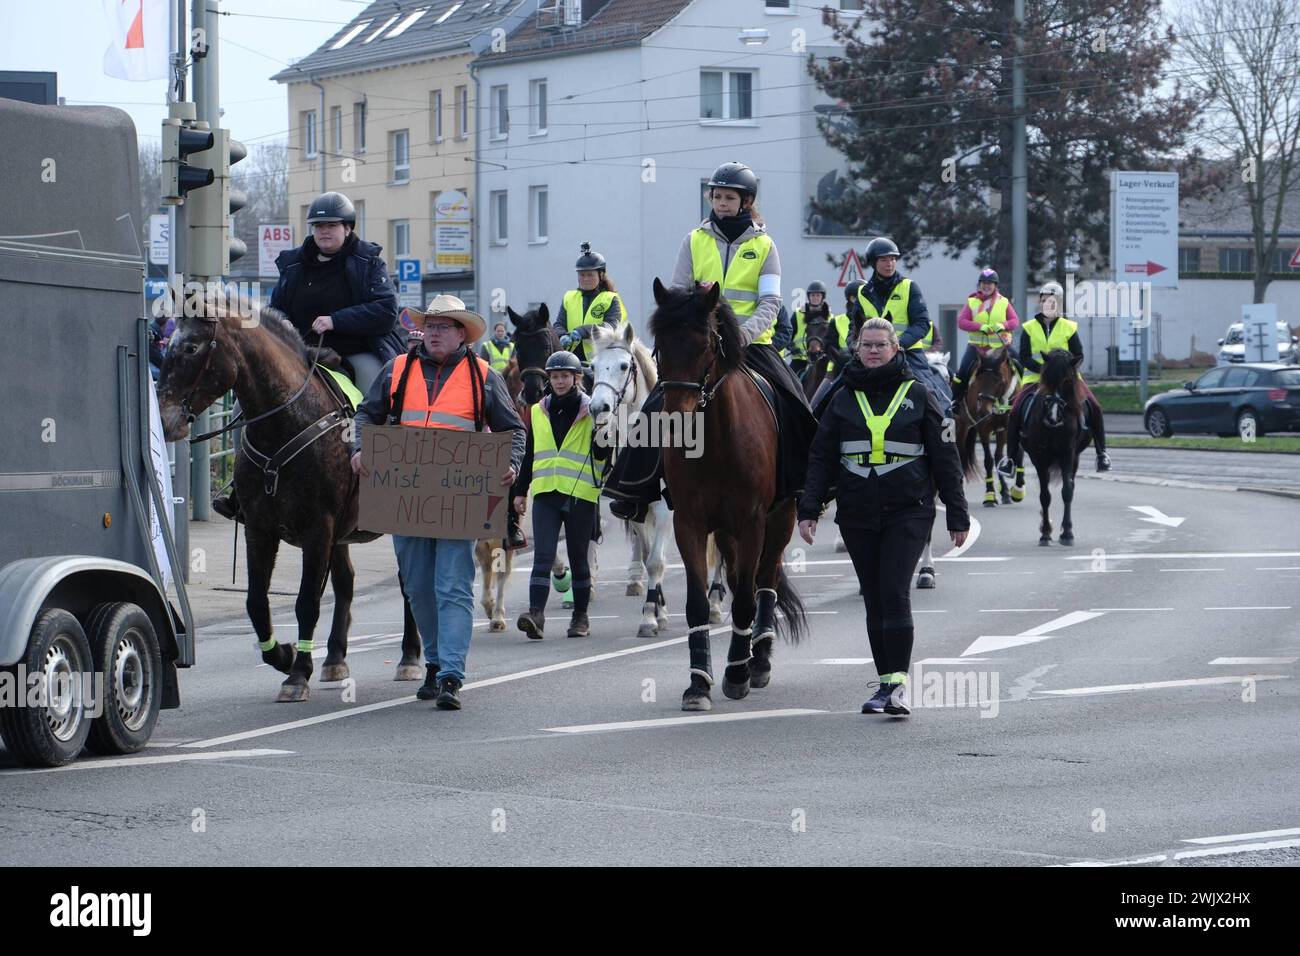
(564, 362)
(851, 290)
(589, 260)
(735, 176)
(332, 207)
(817, 285)
(987, 275)
(883, 246)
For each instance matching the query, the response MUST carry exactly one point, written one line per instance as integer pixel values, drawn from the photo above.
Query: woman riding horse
(594, 302)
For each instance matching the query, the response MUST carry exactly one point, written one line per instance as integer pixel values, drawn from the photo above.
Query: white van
(1232, 347)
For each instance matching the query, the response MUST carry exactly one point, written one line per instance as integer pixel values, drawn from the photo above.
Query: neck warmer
(733, 227)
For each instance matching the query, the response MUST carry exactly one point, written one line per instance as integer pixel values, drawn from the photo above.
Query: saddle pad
(341, 386)
(765, 388)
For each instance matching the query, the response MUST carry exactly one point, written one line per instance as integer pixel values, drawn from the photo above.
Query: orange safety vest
(453, 407)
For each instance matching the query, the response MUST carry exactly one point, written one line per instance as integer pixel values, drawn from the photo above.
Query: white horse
(623, 373)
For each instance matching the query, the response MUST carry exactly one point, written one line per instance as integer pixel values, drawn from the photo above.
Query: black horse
(535, 341)
(1051, 431)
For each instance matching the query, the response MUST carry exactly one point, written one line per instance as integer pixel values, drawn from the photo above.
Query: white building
(601, 119)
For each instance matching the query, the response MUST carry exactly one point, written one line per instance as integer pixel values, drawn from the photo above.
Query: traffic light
(178, 176)
(212, 245)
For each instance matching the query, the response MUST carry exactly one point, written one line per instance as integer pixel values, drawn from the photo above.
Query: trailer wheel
(124, 648)
(54, 731)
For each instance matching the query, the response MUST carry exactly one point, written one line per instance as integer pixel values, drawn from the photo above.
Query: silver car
(1232, 347)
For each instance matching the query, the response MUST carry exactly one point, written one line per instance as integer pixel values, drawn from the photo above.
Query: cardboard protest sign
(434, 482)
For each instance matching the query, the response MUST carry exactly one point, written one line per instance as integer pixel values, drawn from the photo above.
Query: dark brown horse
(817, 343)
(984, 415)
(729, 491)
(535, 341)
(290, 488)
(1053, 434)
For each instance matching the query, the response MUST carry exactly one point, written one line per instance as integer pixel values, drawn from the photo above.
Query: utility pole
(1019, 172)
(206, 98)
(176, 278)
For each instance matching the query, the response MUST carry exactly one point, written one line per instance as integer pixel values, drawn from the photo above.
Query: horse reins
(706, 392)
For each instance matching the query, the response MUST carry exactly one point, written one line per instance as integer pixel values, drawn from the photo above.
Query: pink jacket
(968, 321)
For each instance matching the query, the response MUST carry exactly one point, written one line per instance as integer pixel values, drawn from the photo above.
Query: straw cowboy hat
(450, 307)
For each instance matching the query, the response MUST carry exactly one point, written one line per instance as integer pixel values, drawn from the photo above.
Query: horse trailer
(89, 641)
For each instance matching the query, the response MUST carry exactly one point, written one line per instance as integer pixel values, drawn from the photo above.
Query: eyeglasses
(440, 326)
(874, 346)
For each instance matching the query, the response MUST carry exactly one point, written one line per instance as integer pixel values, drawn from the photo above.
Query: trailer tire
(124, 647)
(54, 733)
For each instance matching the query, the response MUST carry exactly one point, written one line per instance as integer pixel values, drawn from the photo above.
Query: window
(726, 95)
(360, 206)
(537, 107)
(1236, 260)
(1212, 379)
(435, 116)
(307, 122)
(302, 218)
(400, 150)
(454, 8)
(387, 23)
(500, 119)
(1287, 378)
(1282, 260)
(851, 5)
(538, 214)
(402, 27)
(1189, 260)
(351, 35)
(706, 207)
(462, 112)
(401, 237)
(778, 4)
(359, 127)
(499, 222)
(1239, 377)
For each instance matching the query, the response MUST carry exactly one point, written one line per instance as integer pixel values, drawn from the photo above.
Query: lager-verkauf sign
(434, 482)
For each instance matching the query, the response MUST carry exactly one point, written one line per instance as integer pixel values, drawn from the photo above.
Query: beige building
(384, 112)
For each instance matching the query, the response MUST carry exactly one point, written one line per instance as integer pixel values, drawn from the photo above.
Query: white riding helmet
(1051, 288)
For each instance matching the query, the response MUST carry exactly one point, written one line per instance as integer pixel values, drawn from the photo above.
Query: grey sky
(70, 36)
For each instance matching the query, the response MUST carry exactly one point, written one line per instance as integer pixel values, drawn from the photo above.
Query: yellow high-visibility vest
(740, 284)
(569, 469)
(896, 311)
(1041, 343)
(995, 316)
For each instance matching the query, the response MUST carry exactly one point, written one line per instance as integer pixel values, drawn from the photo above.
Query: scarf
(733, 227)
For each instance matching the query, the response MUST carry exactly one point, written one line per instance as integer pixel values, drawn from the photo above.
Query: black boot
(429, 689)
(448, 694)
(533, 624)
(579, 626)
(515, 537)
(228, 507)
(629, 510)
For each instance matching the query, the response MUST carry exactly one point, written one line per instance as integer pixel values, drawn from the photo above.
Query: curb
(1201, 486)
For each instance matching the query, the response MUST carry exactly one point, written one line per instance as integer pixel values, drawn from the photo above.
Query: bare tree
(150, 153)
(1247, 56)
(264, 178)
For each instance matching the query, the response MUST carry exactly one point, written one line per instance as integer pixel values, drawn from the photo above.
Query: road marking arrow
(1156, 516)
(1042, 632)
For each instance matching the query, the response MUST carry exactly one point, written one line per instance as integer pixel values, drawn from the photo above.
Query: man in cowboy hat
(441, 383)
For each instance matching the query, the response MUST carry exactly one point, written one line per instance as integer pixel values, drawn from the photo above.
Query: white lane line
(1237, 837)
(1100, 571)
(1253, 607)
(821, 612)
(1130, 609)
(399, 701)
(1233, 661)
(833, 561)
(971, 537)
(1134, 862)
(953, 660)
(1242, 848)
(1160, 685)
(1296, 568)
(1156, 516)
(1161, 555)
(988, 642)
(1017, 610)
(1001, 573)
(680, 721)
(1162, 570)
(151, 760)
(846, 660)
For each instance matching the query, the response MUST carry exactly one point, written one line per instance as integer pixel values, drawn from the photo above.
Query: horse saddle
(765, 388)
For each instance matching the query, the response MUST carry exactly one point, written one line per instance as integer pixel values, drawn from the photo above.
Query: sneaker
(898, 704)
(629, 510)
(1103, 461)
(429, 689)
(448, 694)
(228, 507)
(579, 626)
(879, 699)
(533, 624)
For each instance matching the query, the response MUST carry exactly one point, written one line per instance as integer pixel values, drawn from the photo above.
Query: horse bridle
(627, 381)
(706, 392)
(985, 397)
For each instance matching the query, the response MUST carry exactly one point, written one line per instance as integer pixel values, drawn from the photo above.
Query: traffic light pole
(1019, 173)
(176, 280)
(207, 95)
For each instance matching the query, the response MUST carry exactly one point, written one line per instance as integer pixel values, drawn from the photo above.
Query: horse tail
(792, 622)
(970, 466)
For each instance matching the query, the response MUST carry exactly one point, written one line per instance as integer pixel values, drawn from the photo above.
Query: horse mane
(284, 331)
(604, 336)
(682, 312)
(1058, 368)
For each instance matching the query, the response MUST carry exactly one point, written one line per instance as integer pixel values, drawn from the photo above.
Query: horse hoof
(497, 626)
(736, 691)
(634, 588)
(760, 675)
(694, 700)
(647, 630)
(1044, 542)
(925, 580)
(990, 504)
(1067, 539)
(840, 546)
(293, 692)
(715, 615)
(331, 673)
(567, 603)
(409, 672)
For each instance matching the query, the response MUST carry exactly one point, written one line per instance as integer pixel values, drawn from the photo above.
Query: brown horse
(984, 415)
(293, 476)
(817, 341)
(729, 490)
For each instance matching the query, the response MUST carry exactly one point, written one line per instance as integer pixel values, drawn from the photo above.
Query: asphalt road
(1133, 701)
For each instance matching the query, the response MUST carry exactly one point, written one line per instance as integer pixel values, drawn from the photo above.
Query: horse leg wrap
(740, 650)
(656, 596)
(765, 616)
(701, 653)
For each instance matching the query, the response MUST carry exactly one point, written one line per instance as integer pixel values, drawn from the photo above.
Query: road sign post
(409, 295)
(1259, 329)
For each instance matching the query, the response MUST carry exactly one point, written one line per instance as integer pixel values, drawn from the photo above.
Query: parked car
(1243, 400)
(1232, 347)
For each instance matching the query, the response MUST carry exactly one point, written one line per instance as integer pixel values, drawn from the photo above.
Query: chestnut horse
(984, 415)
(729, 491)
(293, 476)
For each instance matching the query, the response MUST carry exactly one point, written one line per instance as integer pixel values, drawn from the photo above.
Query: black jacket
(1027, 349)
(868, 502)
(498, 410)
(372, 312)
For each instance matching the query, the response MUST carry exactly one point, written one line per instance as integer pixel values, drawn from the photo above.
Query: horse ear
(712, 296)
(513, 316)
(543, 313)
(660, 292)
(628, 333)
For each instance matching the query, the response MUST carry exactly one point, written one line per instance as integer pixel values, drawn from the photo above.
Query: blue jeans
(439, 577)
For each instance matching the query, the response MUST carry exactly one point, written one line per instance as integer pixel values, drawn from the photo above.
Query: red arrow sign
(1149, 269)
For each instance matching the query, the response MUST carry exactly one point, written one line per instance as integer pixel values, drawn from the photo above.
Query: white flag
(140, 39)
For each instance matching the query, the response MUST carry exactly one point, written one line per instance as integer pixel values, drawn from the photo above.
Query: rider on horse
(989, 318)
(594, 302)
(335, 290)
(498, 350)
(732, 249)
(817, 310)
(562, 466)
(1046, 332)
